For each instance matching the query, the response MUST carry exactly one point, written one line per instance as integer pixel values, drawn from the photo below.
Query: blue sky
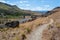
(34, 5)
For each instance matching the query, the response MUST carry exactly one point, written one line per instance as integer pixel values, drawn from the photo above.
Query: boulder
(12, 24)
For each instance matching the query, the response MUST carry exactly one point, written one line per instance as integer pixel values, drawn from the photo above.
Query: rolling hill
(52, 32)
(55, 13)
(13, 10)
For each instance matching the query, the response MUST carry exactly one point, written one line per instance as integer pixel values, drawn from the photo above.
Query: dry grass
(35, 23)
(51, 33)
(58, 25)
(21, 32)
(55, 16)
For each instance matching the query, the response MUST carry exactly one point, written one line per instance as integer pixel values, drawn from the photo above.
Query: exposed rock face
(13, 24)
(51, 33)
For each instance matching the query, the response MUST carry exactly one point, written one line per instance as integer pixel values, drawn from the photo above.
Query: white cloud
(27, 5)
(3, 1)
(23, 2)
(26, 8)
(46, 5)
(8, 1)
(12, 3)
(36, 8)
(40, 8)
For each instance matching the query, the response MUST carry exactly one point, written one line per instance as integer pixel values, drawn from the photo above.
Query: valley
(20, 24)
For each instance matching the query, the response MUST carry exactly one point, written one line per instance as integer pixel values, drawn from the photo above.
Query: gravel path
(37, 34)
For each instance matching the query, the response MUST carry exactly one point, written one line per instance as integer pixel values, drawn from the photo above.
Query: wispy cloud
(27, 4)
(34, 4)
(38, 8)
(43, 1)
(41, 8)
(3, 1)
(23, 1)
(46, 5)
(29, 7)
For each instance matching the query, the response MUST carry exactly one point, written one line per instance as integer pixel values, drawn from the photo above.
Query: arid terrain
(39, 29)
(21, 32)
(37, 26)
(52, 31)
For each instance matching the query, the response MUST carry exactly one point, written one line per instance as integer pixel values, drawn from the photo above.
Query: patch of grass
(58, 25)
(28, 30)
(50, 26)
(23, 36)
(16, 38)
(3, 29)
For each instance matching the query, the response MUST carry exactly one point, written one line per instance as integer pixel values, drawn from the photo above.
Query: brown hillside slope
(20, 33)
(55, 14)
(35, 23)
(53, 31)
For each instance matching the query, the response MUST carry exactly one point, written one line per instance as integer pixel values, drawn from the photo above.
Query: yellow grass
(24, 28)
(35, 23)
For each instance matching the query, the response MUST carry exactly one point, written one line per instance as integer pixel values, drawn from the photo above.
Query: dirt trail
(37, 34)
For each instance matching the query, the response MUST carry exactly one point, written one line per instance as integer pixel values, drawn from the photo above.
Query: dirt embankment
(35, 23)
(51, 33)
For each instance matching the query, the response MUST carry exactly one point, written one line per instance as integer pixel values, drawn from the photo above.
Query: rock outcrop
(12, 24)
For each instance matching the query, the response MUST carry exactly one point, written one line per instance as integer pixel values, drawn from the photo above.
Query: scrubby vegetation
(51, 33)
(21, 32)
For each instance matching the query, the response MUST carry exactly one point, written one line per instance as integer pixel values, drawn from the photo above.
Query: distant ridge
(52, 11)
(57, 8)
(8, 9)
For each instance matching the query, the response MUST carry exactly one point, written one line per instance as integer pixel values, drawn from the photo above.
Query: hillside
(7, 9)
(55, 14)
(13, 10)
(21, 32)
(52, 32)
